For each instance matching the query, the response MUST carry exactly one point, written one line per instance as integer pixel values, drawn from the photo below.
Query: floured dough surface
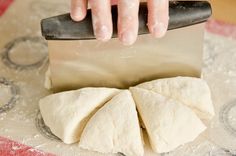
(66, 113)
(114, 128)
(105, 120)
(48, 81)
(193, 92)
(169, 123)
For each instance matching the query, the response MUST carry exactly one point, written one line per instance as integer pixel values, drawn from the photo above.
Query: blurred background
(224, 10)
(24, 60)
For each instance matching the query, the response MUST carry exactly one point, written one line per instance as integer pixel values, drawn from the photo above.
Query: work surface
(24, 61)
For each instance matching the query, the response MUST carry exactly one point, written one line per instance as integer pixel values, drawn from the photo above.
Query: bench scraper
(78, 60)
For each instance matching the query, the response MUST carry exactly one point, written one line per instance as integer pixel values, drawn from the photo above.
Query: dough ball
(193, 92)
(114, 128)
(67, 113)
(168, 122)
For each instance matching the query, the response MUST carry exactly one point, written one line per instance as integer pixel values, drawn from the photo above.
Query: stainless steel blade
(76, 64)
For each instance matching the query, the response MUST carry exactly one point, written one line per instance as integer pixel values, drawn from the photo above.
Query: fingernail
(102, 33)
(158, 30)
(128, 38)
(77, 13)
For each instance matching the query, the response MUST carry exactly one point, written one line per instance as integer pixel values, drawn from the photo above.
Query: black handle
(182, 14)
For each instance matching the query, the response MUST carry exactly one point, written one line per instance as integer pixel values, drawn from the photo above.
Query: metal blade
(89, 63)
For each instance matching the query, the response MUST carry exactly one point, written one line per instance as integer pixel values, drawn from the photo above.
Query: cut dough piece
(48, 81)
(193, 92)
(169, 123)
(66, 113)
(114, 128)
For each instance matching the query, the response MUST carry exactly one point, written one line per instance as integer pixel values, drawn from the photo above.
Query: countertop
(22, 70)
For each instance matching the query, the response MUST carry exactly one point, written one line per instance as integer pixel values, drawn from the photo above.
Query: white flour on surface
(20, 123)
(220, 72)
(5, 94)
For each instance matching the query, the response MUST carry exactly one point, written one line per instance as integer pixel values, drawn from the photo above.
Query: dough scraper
(78, 60)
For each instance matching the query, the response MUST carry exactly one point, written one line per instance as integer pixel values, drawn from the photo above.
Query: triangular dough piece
(67, 113)
(193, 92)
(169, 123)
(114, 128)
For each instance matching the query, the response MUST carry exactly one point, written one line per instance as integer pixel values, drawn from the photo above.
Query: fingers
(158, 17)
(128, 21)
(102, 19)
(114, 2)
(78, 9)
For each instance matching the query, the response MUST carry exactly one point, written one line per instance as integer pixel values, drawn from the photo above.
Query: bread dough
(169, 123)
(193, 92)
(114, 128)
(167, 108)
(66, 113)
(48, 81)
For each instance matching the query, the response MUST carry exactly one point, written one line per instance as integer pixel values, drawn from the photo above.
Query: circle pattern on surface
(43, 129)
(228, 117)
(9, 92)
(25, 53)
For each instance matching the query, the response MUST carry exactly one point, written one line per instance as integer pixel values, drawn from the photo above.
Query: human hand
(158, 17)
